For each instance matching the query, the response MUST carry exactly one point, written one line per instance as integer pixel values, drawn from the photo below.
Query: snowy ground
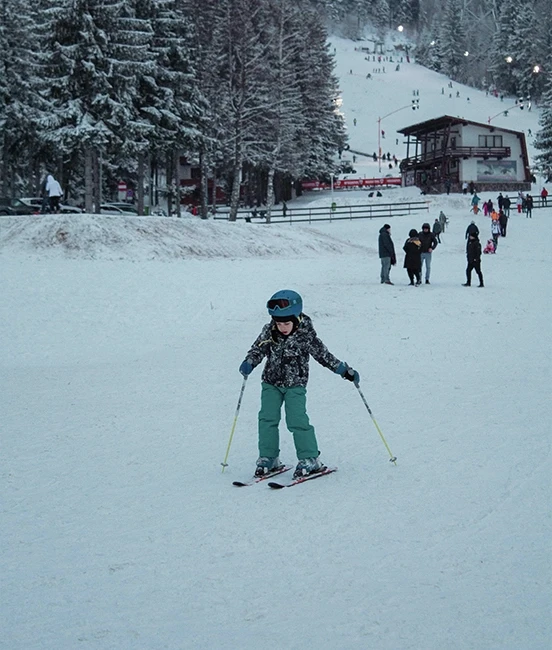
(118, 380)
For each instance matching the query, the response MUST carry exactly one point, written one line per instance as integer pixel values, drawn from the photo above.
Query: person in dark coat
(472, 228)
(473, 253)
(413, 258)
(506, 204)
(429, 244)
(503, 221)
(386, 253)
(529, 206)
(437, 230)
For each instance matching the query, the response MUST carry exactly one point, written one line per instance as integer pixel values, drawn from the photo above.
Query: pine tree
(19, 141)
(453, 41)
(323, 132)
(543, 139)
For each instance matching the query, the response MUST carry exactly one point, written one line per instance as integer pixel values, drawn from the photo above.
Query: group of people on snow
(418, 250)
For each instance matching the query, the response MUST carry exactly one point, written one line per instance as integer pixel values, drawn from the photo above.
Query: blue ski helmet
(285, 303)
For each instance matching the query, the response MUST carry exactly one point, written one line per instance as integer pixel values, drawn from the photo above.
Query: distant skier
(287, 342)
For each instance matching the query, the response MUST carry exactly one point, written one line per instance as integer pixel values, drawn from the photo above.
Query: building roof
(438, 123)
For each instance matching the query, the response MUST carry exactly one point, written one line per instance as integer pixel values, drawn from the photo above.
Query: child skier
(287, 342)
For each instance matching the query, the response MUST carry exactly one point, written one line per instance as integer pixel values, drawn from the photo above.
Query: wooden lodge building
(457, 150)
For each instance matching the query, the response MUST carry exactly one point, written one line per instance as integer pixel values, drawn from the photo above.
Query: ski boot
(265, 465)
(307, 466)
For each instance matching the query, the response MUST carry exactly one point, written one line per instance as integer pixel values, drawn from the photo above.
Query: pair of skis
(278, 486)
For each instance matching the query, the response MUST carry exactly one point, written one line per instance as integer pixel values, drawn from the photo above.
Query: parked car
(14, 207)
(119, 208)
(36, 203)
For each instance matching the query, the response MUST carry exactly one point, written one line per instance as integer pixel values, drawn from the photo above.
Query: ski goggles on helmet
(278, 303)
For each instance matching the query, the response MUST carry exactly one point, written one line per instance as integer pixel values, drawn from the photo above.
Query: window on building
(490, 141)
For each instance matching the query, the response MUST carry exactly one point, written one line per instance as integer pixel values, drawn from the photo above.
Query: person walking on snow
(386, 253)
(54, 191)
(429, 244)
(287, 342)
(529, 206)
(437, 230)
(519, 202)
(475, 203)
(503, 221)
(413, 258)
(473, 253)
(495, 233)
(472, 229)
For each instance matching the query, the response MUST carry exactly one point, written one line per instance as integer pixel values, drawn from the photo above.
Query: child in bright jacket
(287, 342)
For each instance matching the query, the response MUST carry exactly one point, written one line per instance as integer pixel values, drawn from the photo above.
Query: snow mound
(87, 236)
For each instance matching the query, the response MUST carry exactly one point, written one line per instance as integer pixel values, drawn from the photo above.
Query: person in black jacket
(473, 253)
(472, 229)
(386, 253)
(413, 258)
(429, 244)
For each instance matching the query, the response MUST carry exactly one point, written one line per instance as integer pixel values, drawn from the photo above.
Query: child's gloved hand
(246, 368)
(347, 372)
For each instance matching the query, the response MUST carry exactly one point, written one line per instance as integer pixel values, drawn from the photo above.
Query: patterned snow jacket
(287, 357)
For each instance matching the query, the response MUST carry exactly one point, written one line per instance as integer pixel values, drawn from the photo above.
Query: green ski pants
(297, 421)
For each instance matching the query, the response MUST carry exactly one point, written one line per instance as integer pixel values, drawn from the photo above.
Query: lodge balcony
(437, 156)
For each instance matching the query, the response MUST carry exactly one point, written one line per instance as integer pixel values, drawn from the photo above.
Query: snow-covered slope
(119, 381)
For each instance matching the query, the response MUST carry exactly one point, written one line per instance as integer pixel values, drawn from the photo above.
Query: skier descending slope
(287, 341)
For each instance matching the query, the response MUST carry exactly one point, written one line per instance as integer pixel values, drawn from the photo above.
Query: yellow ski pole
(393, 459)
(224, 463)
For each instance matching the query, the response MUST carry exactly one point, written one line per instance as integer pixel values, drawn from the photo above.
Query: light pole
(414, 105)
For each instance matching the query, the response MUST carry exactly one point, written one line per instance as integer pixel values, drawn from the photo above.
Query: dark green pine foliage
(179, 108)
(75, 77)
(453, 42)
(543, 140)
(20, 146)
(322, 132)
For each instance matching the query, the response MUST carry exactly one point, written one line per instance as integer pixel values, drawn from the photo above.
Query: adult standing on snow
(544, 196)
(386, 253)
(429, 244)
(506, 203)
(54, 191)
(413, 258)
(472, 229)
(529, 206)
(473, 253)
(437, 229)
(443, 221)
(503, 221)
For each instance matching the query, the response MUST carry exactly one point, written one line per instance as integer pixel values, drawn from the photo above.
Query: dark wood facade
(451, 150)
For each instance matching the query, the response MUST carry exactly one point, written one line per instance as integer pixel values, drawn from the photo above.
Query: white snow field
(121, 342)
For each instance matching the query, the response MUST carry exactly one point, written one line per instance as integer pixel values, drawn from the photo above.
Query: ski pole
(393, 459)
(224, 463)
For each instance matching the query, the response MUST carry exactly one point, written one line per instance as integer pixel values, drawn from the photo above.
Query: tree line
(101, 90)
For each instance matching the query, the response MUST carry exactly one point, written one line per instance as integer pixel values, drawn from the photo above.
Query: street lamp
(414, 105)
(400, 28)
